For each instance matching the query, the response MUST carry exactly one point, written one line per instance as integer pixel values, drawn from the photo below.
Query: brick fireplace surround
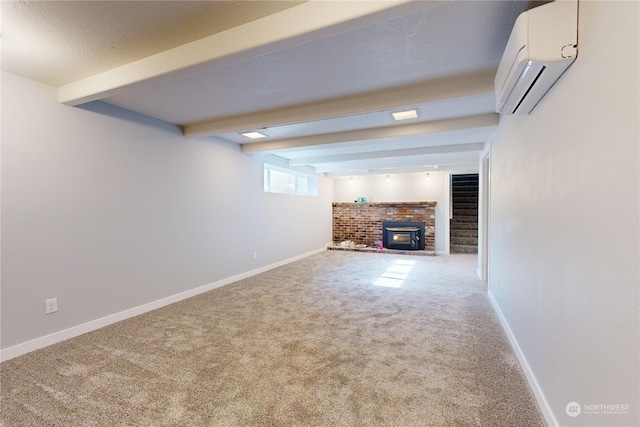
(362, 222)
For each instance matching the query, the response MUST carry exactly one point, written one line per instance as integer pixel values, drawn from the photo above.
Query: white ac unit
(542, 45)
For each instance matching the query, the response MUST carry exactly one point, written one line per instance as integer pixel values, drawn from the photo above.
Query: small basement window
(288, 181)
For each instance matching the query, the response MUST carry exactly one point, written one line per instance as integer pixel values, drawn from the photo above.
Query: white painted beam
(297, 25)
(475, 147)
(469, 167)
(400, 162)
(448, 125)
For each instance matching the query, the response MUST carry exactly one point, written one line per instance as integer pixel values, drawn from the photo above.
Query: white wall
(565, 256)
(402, 188)
(109, 211)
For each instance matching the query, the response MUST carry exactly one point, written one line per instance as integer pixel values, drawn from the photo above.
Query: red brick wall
(362, 222)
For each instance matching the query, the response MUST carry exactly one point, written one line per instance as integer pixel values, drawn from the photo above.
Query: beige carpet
(336, 339)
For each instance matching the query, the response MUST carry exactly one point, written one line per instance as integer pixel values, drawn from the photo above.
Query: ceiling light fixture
(428, 176)
(387, 179)
(253, 134)
(405, 115)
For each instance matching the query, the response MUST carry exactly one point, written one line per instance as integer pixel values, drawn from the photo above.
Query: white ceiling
(320, 78)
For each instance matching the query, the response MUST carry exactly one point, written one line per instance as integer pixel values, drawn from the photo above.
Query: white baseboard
(531, 378)
(74, 331)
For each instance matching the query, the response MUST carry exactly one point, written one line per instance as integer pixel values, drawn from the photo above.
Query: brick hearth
(362, 222)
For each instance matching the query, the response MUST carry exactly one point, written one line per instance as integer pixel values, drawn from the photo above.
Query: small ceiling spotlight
(253, 134)
(405, 115)
(428, 176)
(350, 180)
(387, 179)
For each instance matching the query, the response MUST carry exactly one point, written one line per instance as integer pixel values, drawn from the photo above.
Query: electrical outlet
(255, 255)
(51, 305)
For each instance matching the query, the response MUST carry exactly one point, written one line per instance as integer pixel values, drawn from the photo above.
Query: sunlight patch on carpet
(395, 275)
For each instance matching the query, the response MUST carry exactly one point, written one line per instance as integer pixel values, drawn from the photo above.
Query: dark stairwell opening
(463, 227)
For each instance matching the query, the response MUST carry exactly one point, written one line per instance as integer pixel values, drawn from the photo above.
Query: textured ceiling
(423, 46)
(319, 77)
(58, 42)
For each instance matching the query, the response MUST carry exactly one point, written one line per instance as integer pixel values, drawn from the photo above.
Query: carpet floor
(335, 339)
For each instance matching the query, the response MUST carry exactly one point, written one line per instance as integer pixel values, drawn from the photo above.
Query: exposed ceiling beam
(447, 125)
(470, 166)
(297, 25)
(408, 152)
(415, 161)
(463, 87)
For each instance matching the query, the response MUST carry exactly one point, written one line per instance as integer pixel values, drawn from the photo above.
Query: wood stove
(403, 235)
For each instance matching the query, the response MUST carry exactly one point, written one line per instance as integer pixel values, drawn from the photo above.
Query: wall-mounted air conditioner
(542, 45)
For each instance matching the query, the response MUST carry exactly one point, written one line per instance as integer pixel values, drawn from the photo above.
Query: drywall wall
(106, 210)
(402, 188)
(564, 257)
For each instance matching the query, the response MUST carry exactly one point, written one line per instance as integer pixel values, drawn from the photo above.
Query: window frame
(299, 183)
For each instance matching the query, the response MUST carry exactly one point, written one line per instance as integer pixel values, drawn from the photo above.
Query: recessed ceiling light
(253, 134)
(404, 115)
